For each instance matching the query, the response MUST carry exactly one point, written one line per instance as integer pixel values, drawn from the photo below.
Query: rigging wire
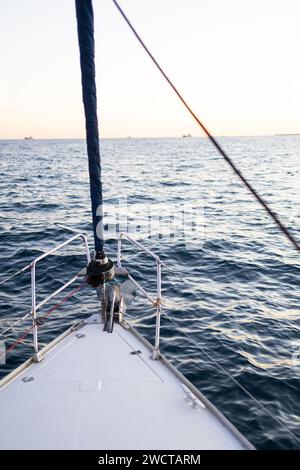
(245, 182)
(252, 190)
(249, 394)
(226, 372)
(212, 139)
(15, 274)
(16, 323)
(278, 421)
(70, 229)
(52, 309)
(11, 276)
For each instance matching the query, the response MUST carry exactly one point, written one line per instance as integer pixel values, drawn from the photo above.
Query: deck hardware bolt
(27, 379)
(136, 352)
(80, 335)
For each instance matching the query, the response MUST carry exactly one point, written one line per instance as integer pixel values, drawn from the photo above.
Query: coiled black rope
(216, 144)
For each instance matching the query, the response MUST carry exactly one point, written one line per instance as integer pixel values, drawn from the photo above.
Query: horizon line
(152, 137)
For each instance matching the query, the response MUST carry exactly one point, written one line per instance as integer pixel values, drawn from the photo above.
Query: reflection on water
(236, 292)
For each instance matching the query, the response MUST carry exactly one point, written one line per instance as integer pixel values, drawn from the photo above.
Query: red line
(213, 140)
(20, 339)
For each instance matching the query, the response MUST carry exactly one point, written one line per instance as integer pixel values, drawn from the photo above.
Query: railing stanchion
(34, 315)
(34, 306)
(156, 302)
(156, 352)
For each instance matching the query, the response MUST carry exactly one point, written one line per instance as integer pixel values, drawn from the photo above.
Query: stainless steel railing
(154, 301)
(34, 306)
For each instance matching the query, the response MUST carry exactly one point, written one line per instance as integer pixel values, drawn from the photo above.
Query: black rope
(216, 144)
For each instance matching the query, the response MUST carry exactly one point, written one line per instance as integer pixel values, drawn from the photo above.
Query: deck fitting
(27, 379)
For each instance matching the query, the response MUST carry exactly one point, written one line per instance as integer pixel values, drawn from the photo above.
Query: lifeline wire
(15, 274)
(11, 276)
(263, 407)
(279, 422)
(252, 190)
(52, 309)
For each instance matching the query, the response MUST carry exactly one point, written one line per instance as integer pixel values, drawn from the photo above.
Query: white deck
(92, 393)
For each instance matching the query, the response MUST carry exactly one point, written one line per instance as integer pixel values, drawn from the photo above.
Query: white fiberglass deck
(91, 392)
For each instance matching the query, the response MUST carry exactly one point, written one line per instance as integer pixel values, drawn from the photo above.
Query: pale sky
(235, 61)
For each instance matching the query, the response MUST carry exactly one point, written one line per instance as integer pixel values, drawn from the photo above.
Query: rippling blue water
(239, 294)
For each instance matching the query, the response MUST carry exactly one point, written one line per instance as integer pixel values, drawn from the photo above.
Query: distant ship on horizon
(28, 137)
(286, 134)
